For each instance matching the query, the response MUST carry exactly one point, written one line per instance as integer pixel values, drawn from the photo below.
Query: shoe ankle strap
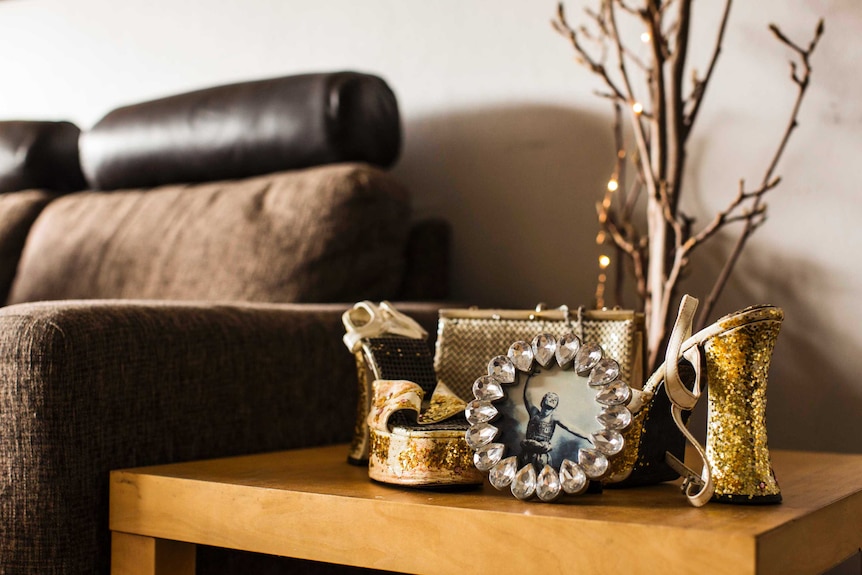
(366, 320)
(677, 392)
(698, 489)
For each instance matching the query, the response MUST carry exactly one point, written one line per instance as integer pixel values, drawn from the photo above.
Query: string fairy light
(601, 238)
(604, 262)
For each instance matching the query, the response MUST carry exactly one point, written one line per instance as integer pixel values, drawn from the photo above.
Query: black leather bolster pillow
(245, 129)
(39, 154)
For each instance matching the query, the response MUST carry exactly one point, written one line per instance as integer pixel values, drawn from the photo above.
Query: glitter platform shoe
(409, 428)
(736, 352)
(371, 329)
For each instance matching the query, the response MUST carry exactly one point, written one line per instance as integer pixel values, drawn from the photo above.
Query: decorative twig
(641, 137)
(619, 191)
(661, 126)
(676, 112)
(727, 215)
(630, 9)
(666, 6)
(633, 194)
(696, 97)
(757, 212)
(596, 66)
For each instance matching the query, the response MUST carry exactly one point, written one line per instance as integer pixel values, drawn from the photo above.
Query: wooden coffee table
(311, 504)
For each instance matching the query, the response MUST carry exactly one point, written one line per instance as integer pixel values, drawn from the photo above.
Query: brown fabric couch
(191, 320)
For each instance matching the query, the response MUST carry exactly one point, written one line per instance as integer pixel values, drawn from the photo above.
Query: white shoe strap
(366, 320)
(677, 392)
(698, 490)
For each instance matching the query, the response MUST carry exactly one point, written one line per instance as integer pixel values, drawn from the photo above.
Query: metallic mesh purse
(468, 338)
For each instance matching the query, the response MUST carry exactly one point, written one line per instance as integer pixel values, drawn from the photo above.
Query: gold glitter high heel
(736, 352)
(370, 332)
(410, 429)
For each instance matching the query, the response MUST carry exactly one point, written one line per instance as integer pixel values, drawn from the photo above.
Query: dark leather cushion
(39, 154)
(245, 129)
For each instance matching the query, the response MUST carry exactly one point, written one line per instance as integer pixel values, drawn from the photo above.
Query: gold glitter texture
(443, 405)
(441, 408)
(622, 465)
(408, 457)
(359, 446)
(737, 363)
(417, 455)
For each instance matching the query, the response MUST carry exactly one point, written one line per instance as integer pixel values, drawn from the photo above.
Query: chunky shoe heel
(737, 364)
(736, 353)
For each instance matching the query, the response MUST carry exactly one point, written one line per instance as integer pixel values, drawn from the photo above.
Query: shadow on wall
(519, 185)
(813, 398)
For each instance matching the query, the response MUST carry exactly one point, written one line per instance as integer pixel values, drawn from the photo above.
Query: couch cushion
(334, 233)
(18, 211)
(245, 129)
(39, 154)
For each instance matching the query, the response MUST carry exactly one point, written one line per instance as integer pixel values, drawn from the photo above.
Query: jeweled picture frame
(547, 417)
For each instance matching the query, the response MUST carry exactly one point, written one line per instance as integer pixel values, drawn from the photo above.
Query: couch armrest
(90, 386)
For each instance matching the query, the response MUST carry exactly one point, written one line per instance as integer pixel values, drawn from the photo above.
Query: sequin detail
(359, 446)
(736, 447)
(421, 458)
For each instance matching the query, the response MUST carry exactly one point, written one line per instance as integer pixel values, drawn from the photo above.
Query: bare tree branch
(676, 113)
(596, 66)
(768, 182)
(696, 97)
(659, 256)
(641, 137)
(729, 214)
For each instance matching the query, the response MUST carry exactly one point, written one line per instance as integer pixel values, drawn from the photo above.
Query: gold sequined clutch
(468, 338)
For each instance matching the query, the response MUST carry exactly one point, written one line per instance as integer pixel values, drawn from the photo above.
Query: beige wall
(505, 139)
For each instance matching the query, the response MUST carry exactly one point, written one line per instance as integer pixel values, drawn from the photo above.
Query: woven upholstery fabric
(90, 386)
(332, 233)
(18, 211)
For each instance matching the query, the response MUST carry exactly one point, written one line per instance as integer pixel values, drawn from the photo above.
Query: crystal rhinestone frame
(547, 417)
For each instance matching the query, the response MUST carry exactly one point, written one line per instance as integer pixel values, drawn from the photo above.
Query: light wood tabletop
(311, 504)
